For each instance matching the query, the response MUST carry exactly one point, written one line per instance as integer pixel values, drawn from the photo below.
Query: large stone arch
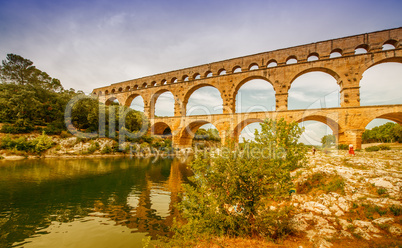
(381, 61)
(188, 94)
(110, 100)
(335, 127)
(155, 97)
(291, 92)
(316, 69)
(386, 114)
(241, 125)
(246, 80)
(186, 134)
(131, 97)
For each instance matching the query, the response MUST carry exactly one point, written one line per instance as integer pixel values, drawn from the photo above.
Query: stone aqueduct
(347, 121)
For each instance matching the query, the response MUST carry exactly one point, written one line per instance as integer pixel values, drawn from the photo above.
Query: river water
(107, 202)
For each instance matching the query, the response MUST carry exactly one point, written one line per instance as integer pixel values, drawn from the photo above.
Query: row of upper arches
(309, 90)
(292, 59)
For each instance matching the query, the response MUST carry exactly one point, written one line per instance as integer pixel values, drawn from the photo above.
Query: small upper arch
(208, 74)
(135, 87)
(222, 71)
(389, 44)
(163, 82)
(113, 91)
(337, 52)
(253, 66)
(291, 60)
(196, 76)
(106, 92)
(313, 57)
(185, 78)
(173, 80)
(128, 88)
(361, 49)
(153, 83)
(272, 63)
(236, 69)
(144, 85)
(120, 89)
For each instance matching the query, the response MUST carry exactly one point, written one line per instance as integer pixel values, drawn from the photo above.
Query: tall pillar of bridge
(351, 137)
(350, 88)
(229, 105)
(281, 101)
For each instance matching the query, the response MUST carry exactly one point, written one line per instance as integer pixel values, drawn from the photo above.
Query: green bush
(396, 210)
(372, 149)
(381, 191)
(231, 194)
(42, 143)
(343, 147)
(16, 129)
(384, 147)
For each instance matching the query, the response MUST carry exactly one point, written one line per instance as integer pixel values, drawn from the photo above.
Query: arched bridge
(337, 57)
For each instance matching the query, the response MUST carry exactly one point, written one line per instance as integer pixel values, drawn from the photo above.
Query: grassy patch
(367, 211)
(395, 210)
(319, 182)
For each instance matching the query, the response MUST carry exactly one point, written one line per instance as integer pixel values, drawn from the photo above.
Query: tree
(231, 194)
(328, 140)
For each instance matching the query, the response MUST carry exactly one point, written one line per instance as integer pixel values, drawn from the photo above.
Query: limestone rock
(396, 230)
(383, 220)
(366, 226)
(316, 207)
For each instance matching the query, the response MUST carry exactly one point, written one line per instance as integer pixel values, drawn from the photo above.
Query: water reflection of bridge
(140, 213)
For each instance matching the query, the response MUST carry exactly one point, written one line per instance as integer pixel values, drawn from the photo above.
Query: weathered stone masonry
(347, 122)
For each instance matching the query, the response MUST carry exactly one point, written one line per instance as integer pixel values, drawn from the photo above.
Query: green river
(104, 202)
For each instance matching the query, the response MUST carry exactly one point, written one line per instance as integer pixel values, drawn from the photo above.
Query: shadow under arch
(187, 133)
(155, 97)
(110, 100)
(246, 80)
(161, 129)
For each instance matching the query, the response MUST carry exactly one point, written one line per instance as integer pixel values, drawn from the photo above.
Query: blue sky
(89, 44)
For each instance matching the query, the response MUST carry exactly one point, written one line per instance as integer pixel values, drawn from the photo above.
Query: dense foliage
(237, 193)
(37, 145)
(31, 99)
(386, 133)
(209, 134)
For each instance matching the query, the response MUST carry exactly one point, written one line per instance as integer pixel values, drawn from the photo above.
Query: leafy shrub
(343, 147)
(42, 143)
(372, 149)
(384, 147)
(231, 194)
(106, 149)
(15, 129)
